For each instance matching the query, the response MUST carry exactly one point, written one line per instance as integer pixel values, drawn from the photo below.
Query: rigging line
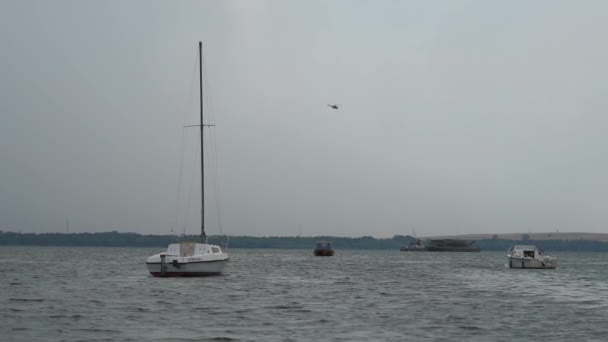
(187, 211)
(212, 143)
(213, 156)
(217, 183)
(210, 107)
(214, 179)
(208, 98)
(209, 174)
(209, 121)
(188, 108)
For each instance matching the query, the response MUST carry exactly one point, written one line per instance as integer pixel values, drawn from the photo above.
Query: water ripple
(287, 295)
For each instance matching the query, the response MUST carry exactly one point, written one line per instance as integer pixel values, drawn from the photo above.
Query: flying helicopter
(334, 106)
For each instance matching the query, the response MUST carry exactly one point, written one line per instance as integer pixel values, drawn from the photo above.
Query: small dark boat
(442, 245)
(452, 245)
(323, 248)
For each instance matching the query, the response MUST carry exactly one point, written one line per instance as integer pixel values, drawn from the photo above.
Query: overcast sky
(456, 117)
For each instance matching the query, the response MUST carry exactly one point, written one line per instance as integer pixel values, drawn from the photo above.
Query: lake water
(106, 294)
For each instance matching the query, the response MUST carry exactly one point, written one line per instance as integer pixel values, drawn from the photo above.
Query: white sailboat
(191, 259)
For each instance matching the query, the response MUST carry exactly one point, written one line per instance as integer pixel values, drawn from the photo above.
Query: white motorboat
(528, 256)
(414, 246)
(191, 259)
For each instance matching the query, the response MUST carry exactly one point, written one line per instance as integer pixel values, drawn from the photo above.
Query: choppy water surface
(106, 294)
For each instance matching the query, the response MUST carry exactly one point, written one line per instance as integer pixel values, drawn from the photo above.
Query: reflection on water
(106, 294)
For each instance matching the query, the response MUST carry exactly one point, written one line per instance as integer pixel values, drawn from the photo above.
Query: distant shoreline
(496, 242)
(569, 236)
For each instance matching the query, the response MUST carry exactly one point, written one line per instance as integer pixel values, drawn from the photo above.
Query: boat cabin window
(529, 254)
(323, 245)
(215, 249)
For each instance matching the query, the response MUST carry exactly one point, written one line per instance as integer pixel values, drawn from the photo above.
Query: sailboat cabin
(186, 249)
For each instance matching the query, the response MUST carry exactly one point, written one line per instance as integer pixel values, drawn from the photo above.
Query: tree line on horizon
(118, 239)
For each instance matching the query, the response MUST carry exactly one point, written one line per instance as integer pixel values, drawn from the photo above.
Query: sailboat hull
(190, 269)
(323, 252)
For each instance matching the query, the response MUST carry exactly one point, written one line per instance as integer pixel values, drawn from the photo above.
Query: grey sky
(457, 117)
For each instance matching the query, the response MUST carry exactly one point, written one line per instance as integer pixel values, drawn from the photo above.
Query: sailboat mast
(200, 69)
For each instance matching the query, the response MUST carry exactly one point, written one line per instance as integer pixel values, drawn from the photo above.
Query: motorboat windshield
(323, 245)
